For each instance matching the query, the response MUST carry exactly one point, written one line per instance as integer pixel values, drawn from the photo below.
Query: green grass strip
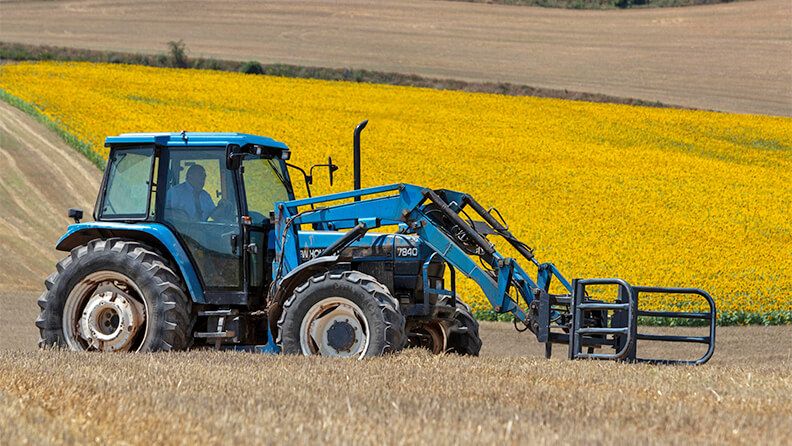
(57, 127)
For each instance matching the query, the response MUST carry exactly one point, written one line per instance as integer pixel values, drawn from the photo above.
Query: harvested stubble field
(512, 394)
(743, 396)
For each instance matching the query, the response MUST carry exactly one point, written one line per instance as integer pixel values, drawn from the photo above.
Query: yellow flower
(655, 196)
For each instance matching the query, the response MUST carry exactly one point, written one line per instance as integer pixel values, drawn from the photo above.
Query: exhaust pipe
(356, 154)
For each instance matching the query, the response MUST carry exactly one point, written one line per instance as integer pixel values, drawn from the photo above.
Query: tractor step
(220, 320)
(604, 324)
(223, 312)
(214, 334)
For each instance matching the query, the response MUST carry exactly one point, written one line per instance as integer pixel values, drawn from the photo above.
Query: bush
(251, 67)
(117, 58)
(209, 64)
(178, 53)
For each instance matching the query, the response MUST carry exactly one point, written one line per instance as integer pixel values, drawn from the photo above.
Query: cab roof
(194, 139)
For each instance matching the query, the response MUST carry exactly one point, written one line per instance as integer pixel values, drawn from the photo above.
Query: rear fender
(153, 234)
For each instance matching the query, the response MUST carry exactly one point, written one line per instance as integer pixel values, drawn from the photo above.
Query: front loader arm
(372, 212)
(433, 215)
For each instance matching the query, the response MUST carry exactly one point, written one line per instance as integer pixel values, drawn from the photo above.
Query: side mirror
(332, 168)
(76, 214)
(233, 157)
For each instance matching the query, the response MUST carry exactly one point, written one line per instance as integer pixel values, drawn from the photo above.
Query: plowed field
(729, 57)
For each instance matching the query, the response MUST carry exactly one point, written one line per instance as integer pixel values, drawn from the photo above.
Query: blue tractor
(198, 241)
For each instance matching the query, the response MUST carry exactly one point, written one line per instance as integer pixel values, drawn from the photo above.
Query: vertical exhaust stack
(356, 154)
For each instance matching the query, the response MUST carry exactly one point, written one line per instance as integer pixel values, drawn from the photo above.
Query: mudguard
(153, 234)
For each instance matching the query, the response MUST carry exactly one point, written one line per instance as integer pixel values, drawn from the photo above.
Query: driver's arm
(207, 206)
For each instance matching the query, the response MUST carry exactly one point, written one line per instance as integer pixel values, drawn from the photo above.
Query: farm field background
(728, 57)
(655, 196)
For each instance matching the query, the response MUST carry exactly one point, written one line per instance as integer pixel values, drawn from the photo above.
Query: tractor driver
(189, 198)
(189, 201)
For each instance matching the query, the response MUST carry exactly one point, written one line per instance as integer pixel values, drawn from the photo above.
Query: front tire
(342, 314)
(114, 295)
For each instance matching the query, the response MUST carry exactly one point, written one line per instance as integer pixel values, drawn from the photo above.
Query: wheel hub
(432, 336)
(334, 326)
(111, 319)
(341, 336)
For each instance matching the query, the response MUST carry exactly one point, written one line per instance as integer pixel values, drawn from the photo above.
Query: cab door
(264, 182)
(200, 204)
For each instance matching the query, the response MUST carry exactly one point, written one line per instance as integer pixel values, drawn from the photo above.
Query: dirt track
(730, 57)
(40, 178)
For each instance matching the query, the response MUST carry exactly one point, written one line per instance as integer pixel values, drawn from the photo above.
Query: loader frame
(434, 216)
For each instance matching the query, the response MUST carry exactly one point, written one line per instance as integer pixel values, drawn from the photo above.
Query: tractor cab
(214, 191)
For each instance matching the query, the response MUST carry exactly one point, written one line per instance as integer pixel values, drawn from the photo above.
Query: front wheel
(345, 314)
(114, 295)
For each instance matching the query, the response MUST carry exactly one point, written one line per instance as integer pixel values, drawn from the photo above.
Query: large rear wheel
(345, 314)
(114, 295)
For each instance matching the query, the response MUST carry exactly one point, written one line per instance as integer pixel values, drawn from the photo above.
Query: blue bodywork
(310, 243)
(395, 209)
(405, 205)
(158, 231)
(389, 205)
(401, 205)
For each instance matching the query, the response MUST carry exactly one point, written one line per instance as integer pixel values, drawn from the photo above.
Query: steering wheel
(223, 212)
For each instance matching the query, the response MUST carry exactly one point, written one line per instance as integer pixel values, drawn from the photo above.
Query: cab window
(264, 186)
(200, 205)
(128, 183)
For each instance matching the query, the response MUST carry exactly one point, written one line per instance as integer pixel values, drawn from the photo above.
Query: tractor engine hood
(372, 244)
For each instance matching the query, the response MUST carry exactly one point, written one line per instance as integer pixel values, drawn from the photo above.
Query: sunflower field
(655, 196)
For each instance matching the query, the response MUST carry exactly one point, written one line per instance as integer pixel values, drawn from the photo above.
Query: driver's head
(196, 176)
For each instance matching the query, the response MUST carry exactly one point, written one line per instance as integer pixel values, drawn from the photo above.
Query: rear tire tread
(174, 331)
(467, 340)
